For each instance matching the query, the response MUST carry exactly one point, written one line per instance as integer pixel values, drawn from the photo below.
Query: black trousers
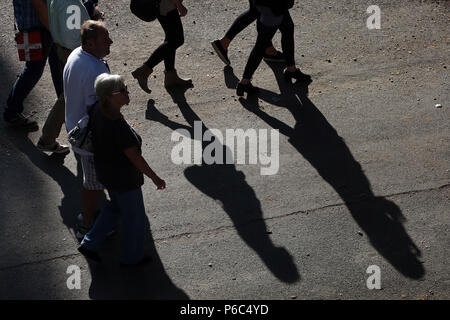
(243, 21)
(265, 35)
(173, 29)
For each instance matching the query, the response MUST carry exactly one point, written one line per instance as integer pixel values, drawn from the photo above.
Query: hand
(160, 184)
(99, 15)
(182, 10)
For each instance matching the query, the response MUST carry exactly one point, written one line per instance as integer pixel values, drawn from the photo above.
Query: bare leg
(90, 205)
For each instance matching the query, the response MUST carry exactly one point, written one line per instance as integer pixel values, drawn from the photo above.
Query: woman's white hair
(105, 84)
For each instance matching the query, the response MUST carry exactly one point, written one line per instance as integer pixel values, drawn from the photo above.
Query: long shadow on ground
(319, 143)
(224, 183)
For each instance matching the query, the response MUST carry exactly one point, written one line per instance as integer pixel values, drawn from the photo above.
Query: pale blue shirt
(80, 72)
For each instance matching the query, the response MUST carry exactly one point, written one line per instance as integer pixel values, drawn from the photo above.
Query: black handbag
(146, 10)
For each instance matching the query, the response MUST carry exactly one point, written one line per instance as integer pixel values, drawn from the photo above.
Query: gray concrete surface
(363, 179)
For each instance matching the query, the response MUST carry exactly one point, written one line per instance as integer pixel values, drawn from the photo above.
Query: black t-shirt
(110, 137)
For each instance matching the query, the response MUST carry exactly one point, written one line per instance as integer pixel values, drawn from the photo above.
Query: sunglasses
(123, 90)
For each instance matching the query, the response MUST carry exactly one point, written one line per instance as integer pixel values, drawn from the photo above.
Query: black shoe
(20, 121)
(277, 57)
(249, 88)
(297, 75)
(92, 255)
(145, 260)
(221, 52)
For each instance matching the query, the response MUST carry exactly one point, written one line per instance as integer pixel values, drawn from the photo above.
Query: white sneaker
(54, 148)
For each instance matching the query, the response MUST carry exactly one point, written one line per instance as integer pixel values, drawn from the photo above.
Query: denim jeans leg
(132, 208)
(26, 81)
(105, 222)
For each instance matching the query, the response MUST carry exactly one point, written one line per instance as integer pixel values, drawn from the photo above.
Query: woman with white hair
(120, 168)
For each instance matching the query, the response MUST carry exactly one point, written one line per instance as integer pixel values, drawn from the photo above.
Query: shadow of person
(110, 281)
(222, 182)
(319, 143)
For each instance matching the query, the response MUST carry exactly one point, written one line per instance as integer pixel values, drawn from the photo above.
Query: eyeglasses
(123, 90)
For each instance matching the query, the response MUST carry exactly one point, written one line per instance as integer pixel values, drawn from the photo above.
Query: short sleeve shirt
(110, 138)
(79, 75)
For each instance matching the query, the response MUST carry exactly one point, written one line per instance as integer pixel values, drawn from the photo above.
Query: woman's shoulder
(120, 124)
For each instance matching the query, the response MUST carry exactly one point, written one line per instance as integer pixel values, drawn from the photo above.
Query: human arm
(181, 9)
(42, 12)
(93, 10)
(139, 162)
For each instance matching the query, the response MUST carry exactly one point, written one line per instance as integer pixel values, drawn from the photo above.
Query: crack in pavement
(300, 212)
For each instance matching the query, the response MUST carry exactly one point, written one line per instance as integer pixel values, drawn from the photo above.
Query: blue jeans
(31, 74)
(129, 206)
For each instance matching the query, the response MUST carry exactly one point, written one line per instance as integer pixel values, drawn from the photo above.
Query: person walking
(120, 168)
(32, 16)
(169, 18)
(243, 21)
(83, 66)
(66, 38)
(273, 16)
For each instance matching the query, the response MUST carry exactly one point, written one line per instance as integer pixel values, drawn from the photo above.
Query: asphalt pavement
(359, 205)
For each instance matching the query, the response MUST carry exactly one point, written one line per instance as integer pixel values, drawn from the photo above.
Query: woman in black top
(120, 168)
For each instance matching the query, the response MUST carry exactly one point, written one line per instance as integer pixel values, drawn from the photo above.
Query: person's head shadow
(223, 182)
(148, 281)
(319, 143)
